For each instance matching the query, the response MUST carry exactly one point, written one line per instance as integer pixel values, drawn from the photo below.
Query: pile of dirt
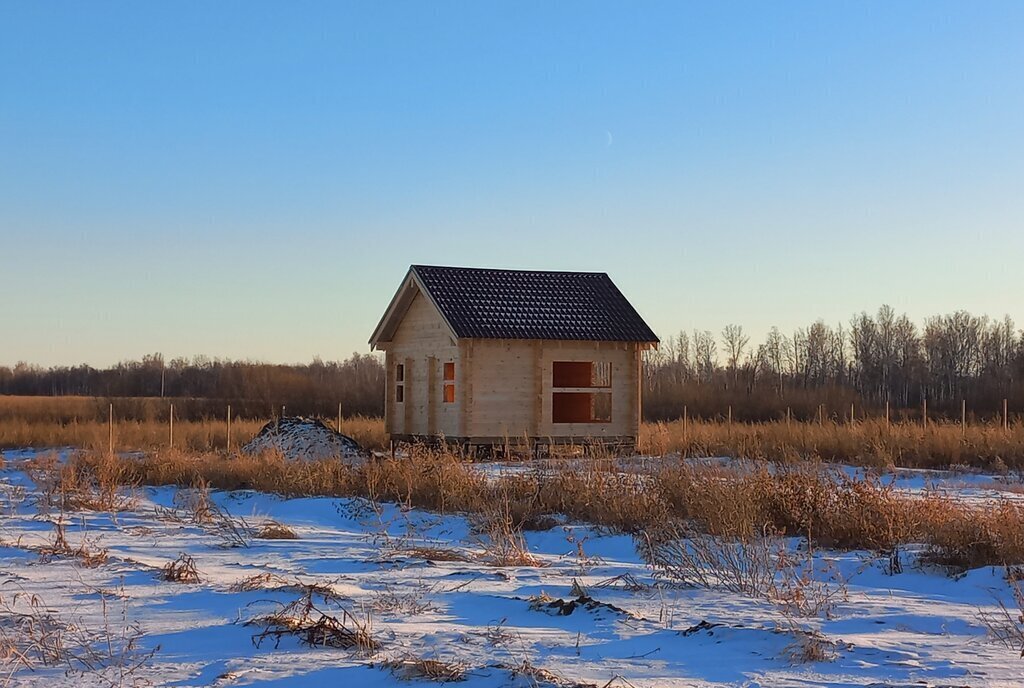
(303, 438)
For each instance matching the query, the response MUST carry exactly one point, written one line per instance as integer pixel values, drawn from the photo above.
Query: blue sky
(252, 180)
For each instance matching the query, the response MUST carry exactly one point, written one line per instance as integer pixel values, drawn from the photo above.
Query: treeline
(872, 360)
(256, 390)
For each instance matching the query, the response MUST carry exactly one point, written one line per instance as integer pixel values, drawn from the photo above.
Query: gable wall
(423, 343)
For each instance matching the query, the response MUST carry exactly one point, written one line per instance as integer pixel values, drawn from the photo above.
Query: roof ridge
(519, 270)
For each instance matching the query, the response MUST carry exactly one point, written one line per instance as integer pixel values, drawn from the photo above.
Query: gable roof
(522, 304)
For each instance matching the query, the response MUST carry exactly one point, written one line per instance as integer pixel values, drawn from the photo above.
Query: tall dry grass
(828, 508)
(863, 443)
(40, 427)
(142, 424)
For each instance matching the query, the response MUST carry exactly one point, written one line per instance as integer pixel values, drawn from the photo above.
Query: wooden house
(481, 356)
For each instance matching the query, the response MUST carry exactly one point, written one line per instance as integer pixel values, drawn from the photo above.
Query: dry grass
(32, 636)
(103, 486)
(86, 553)
(140, 424)
(863, 443)
(315, 627)
(272, 582)
(181, 570)
(829, 508)
(420, 669)
(81, 422)
(272, 530)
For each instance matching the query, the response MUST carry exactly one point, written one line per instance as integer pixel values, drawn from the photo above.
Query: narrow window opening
(399, 380)
(449, 384)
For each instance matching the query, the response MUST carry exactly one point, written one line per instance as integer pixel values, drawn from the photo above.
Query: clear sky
(252, 180)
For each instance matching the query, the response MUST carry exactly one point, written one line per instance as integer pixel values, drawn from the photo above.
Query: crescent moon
(609, 135)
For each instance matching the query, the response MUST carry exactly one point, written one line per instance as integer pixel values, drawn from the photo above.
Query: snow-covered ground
(917, 628)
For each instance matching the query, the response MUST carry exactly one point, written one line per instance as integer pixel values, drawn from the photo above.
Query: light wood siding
(506, 375)
(424, 342)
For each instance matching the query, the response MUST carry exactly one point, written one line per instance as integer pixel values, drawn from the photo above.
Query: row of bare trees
(873, 360)
(254, 389)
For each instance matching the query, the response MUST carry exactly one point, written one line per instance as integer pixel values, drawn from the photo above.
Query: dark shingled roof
(531, 304)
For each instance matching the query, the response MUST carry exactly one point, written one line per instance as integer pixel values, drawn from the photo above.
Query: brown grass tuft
(181, 570)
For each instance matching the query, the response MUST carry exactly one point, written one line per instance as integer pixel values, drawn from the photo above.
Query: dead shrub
(97, 483)
(311, 626)
(809, 646)
(272, 530)
(181, 570)
(437, 554)
(757, 564)
(418, 669)
(503, 544)
(86, 553)
(408, 602)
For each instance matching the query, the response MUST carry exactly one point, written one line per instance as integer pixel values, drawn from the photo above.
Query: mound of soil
(303, 438)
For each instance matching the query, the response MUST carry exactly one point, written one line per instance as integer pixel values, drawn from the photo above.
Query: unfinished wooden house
(481, 356)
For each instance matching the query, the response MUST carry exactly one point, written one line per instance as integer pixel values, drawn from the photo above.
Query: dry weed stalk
(757, 565)
(1006, 625)
(108, 654)
(416, 669)
(86, 553)
(303, 620)
(181, 570)
(409, 602)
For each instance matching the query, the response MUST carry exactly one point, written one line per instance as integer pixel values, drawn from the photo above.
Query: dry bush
(542, 678)
(275, 583)
(311, 626)
(272, 530)
(436, 554)
(809, 646)
(502, 542)
(689, 557)
(408, 602)
(76, 485)
(756, 564)
(181, 570)
(86, 552)
(419, 669)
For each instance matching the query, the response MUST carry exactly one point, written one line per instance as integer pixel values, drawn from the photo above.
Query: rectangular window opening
(400, 373)
(399, 393)
(581, 374)
(449, 371)
(449, 394)
(581, 407)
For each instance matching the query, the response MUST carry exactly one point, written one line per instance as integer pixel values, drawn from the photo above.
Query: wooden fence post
(685, 423)
(886, 413)
(924, 412)
(110, 430)
(963, 417)
(229, 427)
(789, 415)
(1006, 416)
(171, 442)
(339, 416)
(852, 416)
